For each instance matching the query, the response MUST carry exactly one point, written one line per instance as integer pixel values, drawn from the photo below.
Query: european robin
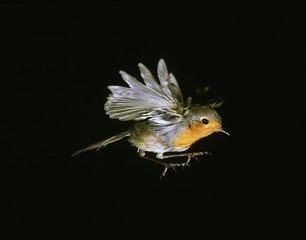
(163, 121)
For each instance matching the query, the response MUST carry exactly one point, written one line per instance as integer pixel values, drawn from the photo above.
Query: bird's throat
(190, 135)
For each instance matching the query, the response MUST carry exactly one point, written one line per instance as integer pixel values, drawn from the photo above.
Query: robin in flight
(163, 122)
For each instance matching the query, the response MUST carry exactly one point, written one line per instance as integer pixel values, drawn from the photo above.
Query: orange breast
(190, 135)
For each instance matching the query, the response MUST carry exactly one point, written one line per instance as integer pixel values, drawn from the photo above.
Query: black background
(59, 60)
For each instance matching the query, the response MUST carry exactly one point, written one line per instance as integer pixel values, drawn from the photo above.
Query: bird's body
(163, 122)
(176, 137)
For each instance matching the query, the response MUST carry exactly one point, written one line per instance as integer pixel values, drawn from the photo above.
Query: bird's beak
(221, 130)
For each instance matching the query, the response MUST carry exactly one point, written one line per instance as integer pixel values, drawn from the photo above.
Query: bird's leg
(172, 165)
(143, 155)
(166, 165)
(188, 155)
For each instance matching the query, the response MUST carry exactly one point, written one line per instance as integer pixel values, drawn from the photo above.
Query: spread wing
(158, 102)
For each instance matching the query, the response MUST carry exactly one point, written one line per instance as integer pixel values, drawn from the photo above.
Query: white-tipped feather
(141, 101)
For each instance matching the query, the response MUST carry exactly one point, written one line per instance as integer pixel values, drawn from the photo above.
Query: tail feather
(103, 143)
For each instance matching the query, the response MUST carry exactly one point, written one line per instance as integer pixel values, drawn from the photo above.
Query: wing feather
(163, 77)
(175, 89)
(149, 80)
(160, 103)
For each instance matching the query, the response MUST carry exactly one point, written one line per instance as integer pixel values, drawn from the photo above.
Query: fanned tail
(103, 143)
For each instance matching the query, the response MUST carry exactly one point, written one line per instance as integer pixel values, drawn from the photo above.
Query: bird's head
(204, 119)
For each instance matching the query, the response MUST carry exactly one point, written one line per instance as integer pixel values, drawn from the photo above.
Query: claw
(164, 172)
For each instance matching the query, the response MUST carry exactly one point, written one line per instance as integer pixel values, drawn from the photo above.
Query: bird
(163, 123)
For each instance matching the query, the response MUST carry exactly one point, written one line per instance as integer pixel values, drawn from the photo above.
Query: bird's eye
(205, 121)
